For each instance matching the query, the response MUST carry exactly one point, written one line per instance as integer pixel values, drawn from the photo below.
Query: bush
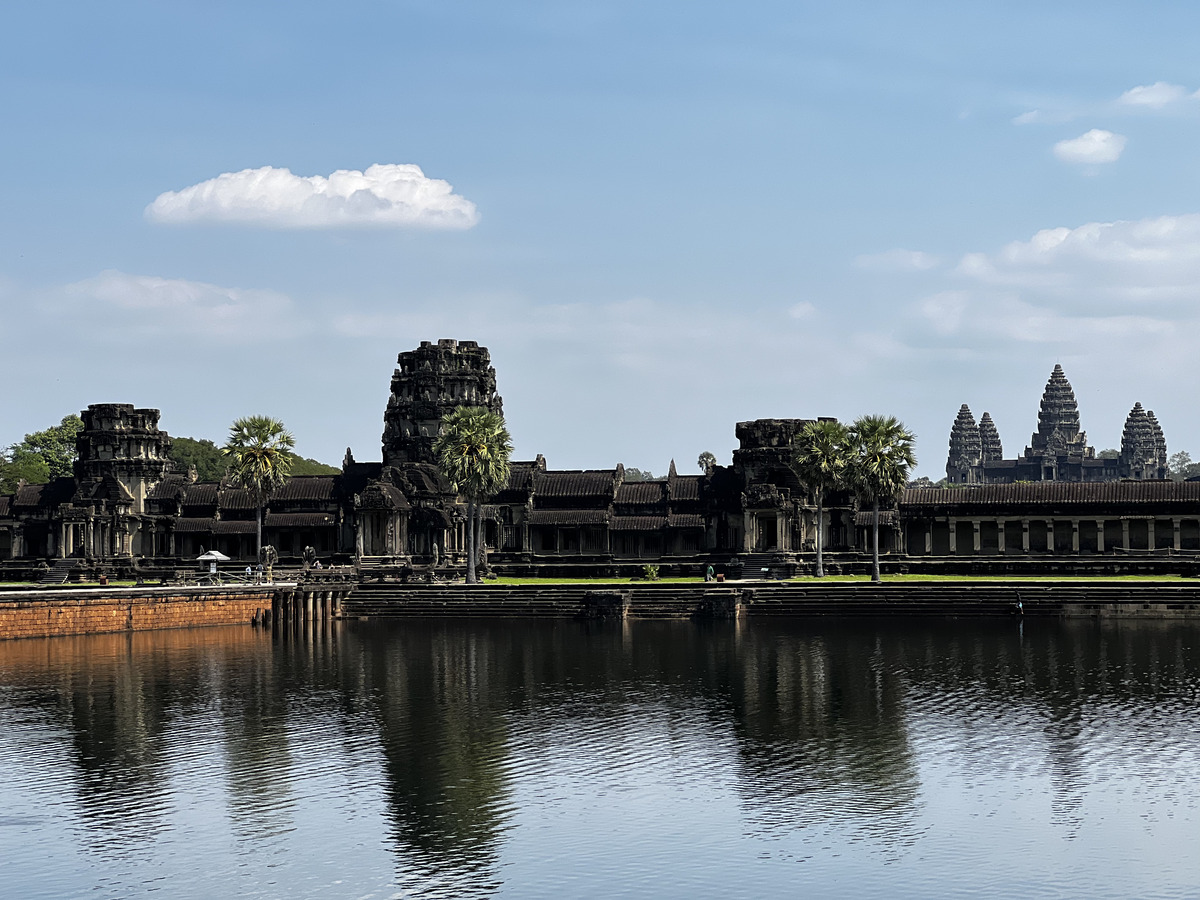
(650, 573)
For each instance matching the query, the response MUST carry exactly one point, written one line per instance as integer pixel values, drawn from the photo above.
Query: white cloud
(898, 261)
(382, 196)
(1113, 265)
(148, 305)
(1092, 148)
(1153, 96)
(1029, 118)
(802, 310)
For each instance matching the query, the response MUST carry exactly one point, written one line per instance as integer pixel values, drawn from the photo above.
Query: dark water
(556, 759)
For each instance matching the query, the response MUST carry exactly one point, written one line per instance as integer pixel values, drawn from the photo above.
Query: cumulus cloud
(387, 196)
(1153, 96)
(148, 305)
(1092, 148)
(898, 261)
(1106, 264)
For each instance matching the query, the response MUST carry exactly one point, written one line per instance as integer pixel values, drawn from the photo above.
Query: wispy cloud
(1153, 96)
(1095, 147)
(898, 261)
(148, 305)
(386, 196)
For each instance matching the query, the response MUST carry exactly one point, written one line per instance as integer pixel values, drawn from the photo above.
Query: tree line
(42, 456)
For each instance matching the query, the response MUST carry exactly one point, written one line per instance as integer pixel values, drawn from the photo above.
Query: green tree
(707, 462)
(473, 453)
(1181, 467)
(881, 458)
(259, 451)
(302, 465)
(206, 456)
(41, 456)
(820, 459)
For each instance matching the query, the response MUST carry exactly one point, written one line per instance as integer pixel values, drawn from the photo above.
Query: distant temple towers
(1058, 450)
(431, 381)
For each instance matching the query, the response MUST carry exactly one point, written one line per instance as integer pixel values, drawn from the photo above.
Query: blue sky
(662, 218)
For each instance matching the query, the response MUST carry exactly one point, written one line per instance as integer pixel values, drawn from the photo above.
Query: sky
(662, 218)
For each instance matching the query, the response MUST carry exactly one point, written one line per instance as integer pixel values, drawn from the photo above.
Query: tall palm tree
(882, 458)
(820, 459)
(259, 449)
(473, 450)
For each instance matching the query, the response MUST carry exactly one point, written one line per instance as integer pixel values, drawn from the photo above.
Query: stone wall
(98, 611)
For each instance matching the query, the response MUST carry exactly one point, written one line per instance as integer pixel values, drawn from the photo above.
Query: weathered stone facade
(126, 510)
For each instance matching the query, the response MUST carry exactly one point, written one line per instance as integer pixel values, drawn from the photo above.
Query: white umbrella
(213, 556)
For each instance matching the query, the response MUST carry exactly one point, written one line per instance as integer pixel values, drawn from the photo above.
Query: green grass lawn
(855, 579)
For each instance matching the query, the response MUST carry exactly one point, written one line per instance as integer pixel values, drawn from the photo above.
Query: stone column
(1151, 527)
(953, 536)
(1176, 528)
(1125, 533)
(1025, 535)
(1049, 535)
(929, 537)
(1099, 535)
(1074, 535)
(1000, 548)
(977, 535)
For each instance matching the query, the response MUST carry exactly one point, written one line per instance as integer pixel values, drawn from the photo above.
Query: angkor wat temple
(1058, 450)
(126, 510)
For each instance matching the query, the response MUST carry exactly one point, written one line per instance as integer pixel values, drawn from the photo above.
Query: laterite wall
(99, 611)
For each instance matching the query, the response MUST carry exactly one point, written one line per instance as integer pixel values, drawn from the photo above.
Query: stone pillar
(1025, 535)
(953, 535)
(1049, 535)
(977, 535)
(1099, 535)
(1176, 528)
(1151, 527)
(1074, 535)
(1125, 533)
(1000, 548)
(929, 537)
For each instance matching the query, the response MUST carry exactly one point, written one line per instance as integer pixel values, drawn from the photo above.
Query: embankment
(1100, 598)
(48, 613)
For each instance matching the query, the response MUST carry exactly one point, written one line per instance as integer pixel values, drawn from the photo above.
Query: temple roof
(308, 487)
(686, 487)
(5, 504)
(588, 483)
(642, 493)
(1058, 416)
(1095, 493)
(638, 523)
(568, 517)
(298, 520)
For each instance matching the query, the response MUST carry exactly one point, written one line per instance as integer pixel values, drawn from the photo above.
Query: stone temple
(1058, 450)
(127, 511)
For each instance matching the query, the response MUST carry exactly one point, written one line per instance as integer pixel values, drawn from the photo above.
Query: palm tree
(820, 459)
(882, 457)
(473, 450)
(259, 449)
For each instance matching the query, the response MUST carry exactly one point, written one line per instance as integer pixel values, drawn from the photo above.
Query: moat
(561, 758)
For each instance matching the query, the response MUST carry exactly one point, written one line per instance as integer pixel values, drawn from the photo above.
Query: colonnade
(981, 535)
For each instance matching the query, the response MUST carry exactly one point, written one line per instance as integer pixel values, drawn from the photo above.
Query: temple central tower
(431, 381)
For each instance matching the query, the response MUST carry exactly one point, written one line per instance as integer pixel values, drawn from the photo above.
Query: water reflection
(446, 744)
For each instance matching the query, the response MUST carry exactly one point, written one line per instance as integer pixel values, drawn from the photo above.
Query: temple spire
(989, 437)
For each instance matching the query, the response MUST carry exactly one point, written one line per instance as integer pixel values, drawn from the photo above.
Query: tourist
(708, 573)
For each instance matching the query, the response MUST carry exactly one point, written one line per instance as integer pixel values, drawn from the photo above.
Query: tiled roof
(308, 487)
(298, 520)
(183, 526)
(235, 526)
(642, 493)
(520, 477)
(169, 488)
(685, 520)
(638, 523)
(591, 483)
(686, 487)
(236, 498)
(568, 517)
(5, 504)
(202, 493)
(45, 495)
(866, 517)
(1053, 492)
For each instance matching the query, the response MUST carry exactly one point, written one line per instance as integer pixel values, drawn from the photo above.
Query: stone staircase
(59, 572)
